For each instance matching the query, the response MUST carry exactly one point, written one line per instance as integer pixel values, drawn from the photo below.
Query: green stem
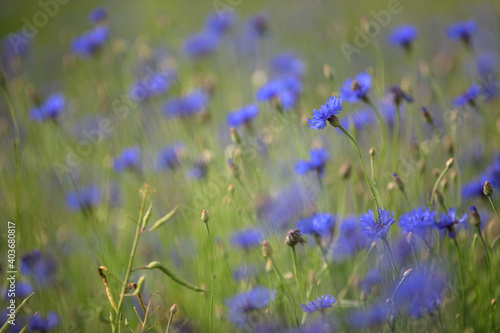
(294, 255)
(393, 263)
(431, 199)
(131, 258)
(460, 263)
(213, 277)
(282, 281)
(170, 322)
(493, 205)
(364, 169)
(490, 287)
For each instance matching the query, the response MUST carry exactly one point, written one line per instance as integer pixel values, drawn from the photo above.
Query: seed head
(293, 237)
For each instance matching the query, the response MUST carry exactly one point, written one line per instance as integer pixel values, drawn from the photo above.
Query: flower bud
(173, 309)
(267, 250)
(345, 170)
(450, 163)
(427, 116)
(235, 136)
(475, 218)
(399, 182)
(204, 216)
(488, 189)
(293, 237)
(373, 151)
(334, 121)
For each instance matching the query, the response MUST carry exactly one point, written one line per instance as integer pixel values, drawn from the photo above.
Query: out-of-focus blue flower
(98, 15)
(199, 170)
(193, 103)
(247, 238)
(469, 97)
(221, 22)
(87, 197)
(51, 109)
(319, 158)
(244, 272)
(38, 323)
(319, 224)
(154, 84)
(258, 25)
(91, 41)
(325, 113)
(417, 221)
(318, 326)
(243, 115)
(14, 49)
(487, 66)
(360, 120)
(169, 157)
(403, 36)
(447, 223)
(372, 279)
(287, 64)
(462, 30)
(41, 268)
(323, 302)
(283, 91)
(356, 90)
(129, 158)
(349, 241)
(244, 303)
(285, 206)
(376, 228)
(419, 306)
(373, 316)
(201, 44)
(474, 188)
(398, 95)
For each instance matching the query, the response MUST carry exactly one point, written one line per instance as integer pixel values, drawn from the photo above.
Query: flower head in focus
(327, 112)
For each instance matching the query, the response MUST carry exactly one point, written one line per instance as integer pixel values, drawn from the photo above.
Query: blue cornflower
(87, 197)
(417, 221)
(356, 90)
(201, 44)
(323, 302)
(469, 97)
(91, 41)
(360, 120)
(373, 316)
(244, 303)
(198, 170)
(154, 84)
(38, 323)
(419, 305)
(447, 222)
(41, 267)
(258, 25)
(193, 103)
(462, 30)
(247, 238)
(327, 112)
(51, 109)
(317, 163)
(169, 157)
(221, 22)
(129, 158)
(319, 224)
(287, 64)
(243, 115)
(372, 279)
(349, 241)
(376, 228)
(284, 92)
(404, 36)
(98, 15)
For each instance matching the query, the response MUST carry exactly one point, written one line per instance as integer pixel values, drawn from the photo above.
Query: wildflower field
(249, 166)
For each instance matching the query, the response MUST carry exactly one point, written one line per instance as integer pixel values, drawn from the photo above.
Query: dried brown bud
(293, 237)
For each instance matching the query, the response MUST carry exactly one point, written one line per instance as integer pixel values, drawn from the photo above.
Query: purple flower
(98, 15)
(221, 22)
(325, 113)
(462, 30)
(284, 91)
(258, 25)
(323, 302)
(372, 279)
(241, 305)
(403, 36)
(51, 109)
(38, 323)
(40, 267)
(90, 42)
(448, 222)
(201, 44)
(319, 224)
(287, 64)
(154, 84)
(356, 90)
(199, 170)
(417, 221)
(247, 238)
(469, 97)
(169, 157)
(243, 115)
(129, 158)
(193, 103)
(360, 120)
(319, 158)
(87, 197)
(374, 227)
(349, 241)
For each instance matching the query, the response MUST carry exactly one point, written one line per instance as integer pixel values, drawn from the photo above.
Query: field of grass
(249, 166)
